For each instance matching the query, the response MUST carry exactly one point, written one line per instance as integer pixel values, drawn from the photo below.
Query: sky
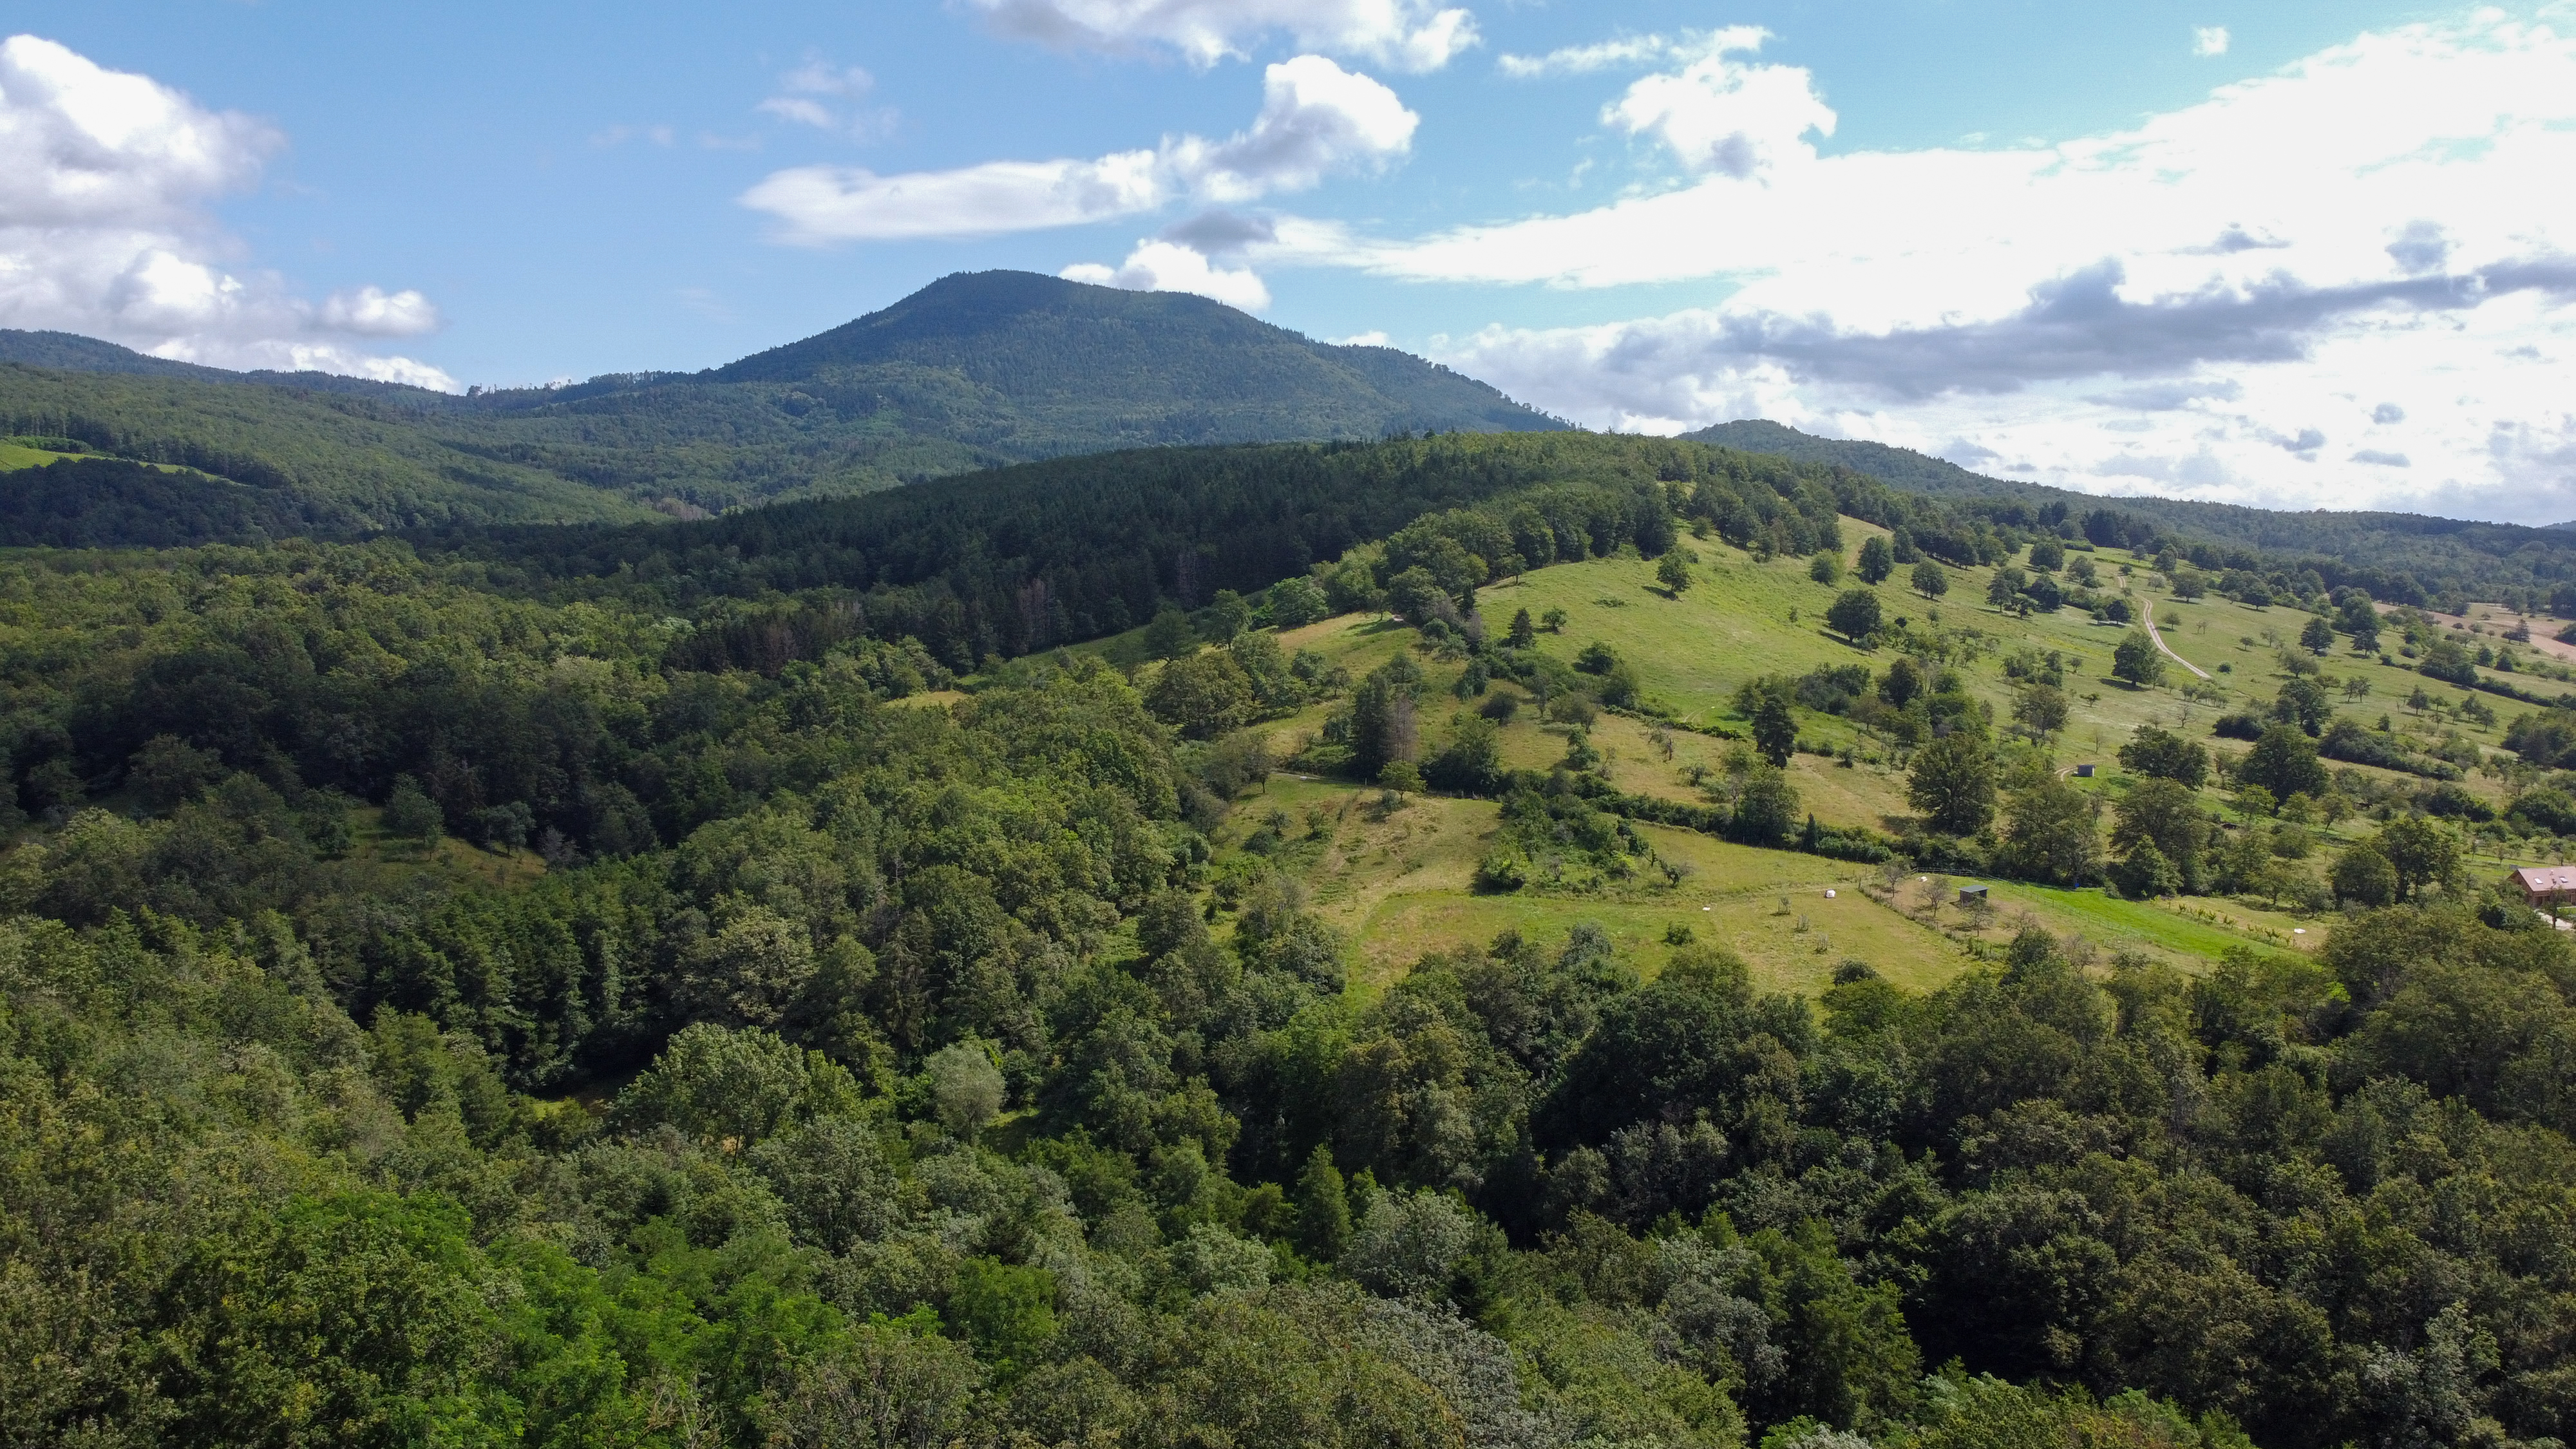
(2292, 254)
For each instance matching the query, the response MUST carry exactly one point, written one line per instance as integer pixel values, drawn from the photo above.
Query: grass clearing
(14, 456)
(1400, 883)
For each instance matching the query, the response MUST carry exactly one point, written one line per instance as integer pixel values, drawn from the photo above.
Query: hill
(435, 1012)
(1083, 368)
(2448, 560)
(973, 371)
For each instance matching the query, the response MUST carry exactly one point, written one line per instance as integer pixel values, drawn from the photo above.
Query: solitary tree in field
(1855, 615)
(2137, 660)
(1673, 573)
(1877, 560)
(1929, 580)
(1775, 730)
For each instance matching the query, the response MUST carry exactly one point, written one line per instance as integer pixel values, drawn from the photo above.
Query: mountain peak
(1119, 368)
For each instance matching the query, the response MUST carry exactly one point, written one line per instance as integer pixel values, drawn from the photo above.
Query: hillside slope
(2450, 557)
(1082, 368)
(364, 463)
(973, 371)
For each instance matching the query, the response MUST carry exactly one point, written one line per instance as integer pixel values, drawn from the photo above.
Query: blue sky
(2296, 253)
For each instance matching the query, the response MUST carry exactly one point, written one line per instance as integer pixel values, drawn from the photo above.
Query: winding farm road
(2168, 648)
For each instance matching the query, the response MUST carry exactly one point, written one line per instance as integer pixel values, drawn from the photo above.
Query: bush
(2242, 725)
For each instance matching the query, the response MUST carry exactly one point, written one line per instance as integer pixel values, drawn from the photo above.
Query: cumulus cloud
(2209, 40)
(1163, 266)
(2266, 262)
(1724, 115)
(1316, 118)
(105, 181)
(1406, 34)
(373, 312)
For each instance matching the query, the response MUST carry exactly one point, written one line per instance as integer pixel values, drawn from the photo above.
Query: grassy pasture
(1400, 882)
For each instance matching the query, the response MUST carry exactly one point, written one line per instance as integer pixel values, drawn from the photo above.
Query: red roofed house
(2547, 886)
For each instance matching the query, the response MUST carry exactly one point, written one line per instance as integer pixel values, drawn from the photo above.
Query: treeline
(2398, 557)
(1030, 557)
(94, 502)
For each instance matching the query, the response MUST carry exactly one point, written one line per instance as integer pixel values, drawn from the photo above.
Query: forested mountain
(1087, 368)
(2450, 560)
(973, 371)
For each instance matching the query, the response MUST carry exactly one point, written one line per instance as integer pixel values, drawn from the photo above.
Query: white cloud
(1585, 59)
(803, 110)
(1316, 118)
(1163, 266)
(1718, 114)
(1407, 34)
(105, 179)
(2209, 40)
(820, 78)
(2366, 245)
(372, 312)
(815, 94)
(1361, 339)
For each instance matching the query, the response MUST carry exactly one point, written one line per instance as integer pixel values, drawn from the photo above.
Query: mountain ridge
(976, 370)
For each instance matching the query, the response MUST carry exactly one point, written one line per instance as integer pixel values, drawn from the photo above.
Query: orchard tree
(1929, 580)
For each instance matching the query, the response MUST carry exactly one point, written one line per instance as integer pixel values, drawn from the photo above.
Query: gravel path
(2168, 648)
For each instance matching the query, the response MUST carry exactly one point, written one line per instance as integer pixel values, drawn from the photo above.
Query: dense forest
(626, 987)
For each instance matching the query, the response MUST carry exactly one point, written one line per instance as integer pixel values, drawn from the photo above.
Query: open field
(18, 455)
(1400, 883)
(14, 456)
